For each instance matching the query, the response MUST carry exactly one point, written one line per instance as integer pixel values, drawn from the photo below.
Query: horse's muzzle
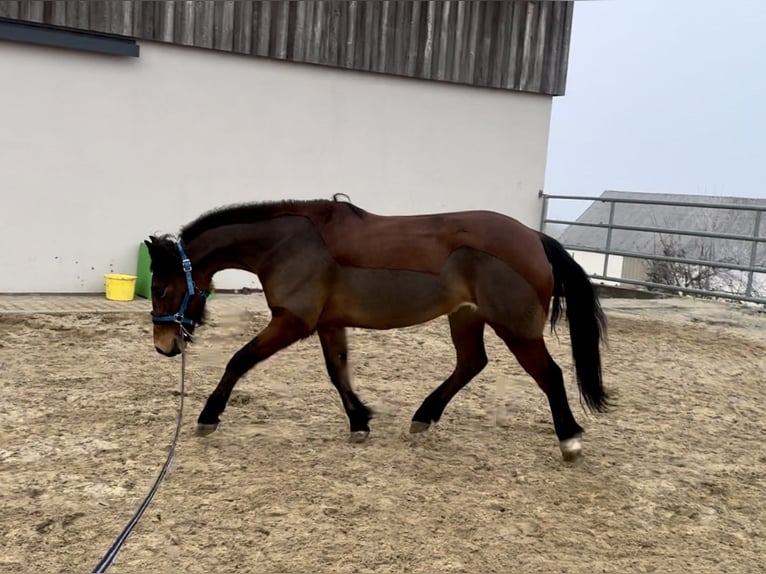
(175, 350)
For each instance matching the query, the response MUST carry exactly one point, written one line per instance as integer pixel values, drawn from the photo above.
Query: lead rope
(111, 554)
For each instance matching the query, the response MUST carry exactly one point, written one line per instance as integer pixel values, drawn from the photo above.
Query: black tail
(587, 322)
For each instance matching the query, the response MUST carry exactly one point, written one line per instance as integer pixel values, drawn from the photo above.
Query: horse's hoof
(358, 436)
(206, 429)
(418, 427)
(571, 449)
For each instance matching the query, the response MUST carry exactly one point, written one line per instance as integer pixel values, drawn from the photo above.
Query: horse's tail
(587, 322)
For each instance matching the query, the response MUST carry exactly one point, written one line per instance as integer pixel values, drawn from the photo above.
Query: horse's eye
(160, 292)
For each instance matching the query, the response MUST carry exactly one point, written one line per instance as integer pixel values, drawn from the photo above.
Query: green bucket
(144, 273)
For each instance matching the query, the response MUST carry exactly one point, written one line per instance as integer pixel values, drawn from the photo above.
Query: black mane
(250, 212)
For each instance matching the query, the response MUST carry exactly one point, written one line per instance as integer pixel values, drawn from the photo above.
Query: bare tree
(706, 277)
(687, 274)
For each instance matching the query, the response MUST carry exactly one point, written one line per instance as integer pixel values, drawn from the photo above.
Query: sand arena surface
(671, 481)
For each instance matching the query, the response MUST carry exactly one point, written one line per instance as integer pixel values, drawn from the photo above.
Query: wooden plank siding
(512, 44)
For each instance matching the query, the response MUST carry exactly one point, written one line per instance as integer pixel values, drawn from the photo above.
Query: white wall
(97, 152)
(593, 263)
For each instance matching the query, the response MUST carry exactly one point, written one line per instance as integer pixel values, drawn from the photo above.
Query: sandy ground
(672, 480)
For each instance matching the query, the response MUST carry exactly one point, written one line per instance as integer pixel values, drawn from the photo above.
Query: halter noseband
(179, 317)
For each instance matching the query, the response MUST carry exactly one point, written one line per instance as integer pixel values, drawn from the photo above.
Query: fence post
(544, 212)
(608, 238)
(753, 252)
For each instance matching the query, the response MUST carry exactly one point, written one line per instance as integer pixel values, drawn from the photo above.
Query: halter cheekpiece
(180, 317)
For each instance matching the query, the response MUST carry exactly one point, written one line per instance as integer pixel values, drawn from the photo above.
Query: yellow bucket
(120, 287)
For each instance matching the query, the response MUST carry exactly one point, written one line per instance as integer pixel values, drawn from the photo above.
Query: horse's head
(178, 296)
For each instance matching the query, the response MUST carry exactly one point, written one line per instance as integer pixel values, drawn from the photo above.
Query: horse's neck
(240, 246)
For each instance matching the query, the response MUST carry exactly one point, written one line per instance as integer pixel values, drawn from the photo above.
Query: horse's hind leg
(535, 359)
(335, 350)
(283, 330)
(467, 330)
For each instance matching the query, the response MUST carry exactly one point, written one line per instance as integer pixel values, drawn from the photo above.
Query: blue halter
(191, 289)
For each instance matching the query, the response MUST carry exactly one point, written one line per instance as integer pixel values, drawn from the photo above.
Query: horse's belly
(387, 299)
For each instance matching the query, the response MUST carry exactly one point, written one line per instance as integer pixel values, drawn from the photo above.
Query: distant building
(726, 221)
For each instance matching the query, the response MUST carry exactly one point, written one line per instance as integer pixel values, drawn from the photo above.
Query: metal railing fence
(747, 266)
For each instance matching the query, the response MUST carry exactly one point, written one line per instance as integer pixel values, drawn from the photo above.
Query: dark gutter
(31, 33)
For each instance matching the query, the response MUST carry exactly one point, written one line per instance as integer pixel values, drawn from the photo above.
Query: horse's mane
(252, 212)
(165, 258)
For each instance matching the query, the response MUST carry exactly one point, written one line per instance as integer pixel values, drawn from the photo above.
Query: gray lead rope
(111, 554)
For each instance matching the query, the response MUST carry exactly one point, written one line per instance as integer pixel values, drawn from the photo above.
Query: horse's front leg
(283, 330)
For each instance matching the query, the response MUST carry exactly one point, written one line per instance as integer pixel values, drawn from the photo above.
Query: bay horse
(326, 265)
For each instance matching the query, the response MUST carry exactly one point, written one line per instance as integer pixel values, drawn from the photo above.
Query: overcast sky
(663, 96)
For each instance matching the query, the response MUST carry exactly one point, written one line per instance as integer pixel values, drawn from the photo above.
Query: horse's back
(423, 243)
